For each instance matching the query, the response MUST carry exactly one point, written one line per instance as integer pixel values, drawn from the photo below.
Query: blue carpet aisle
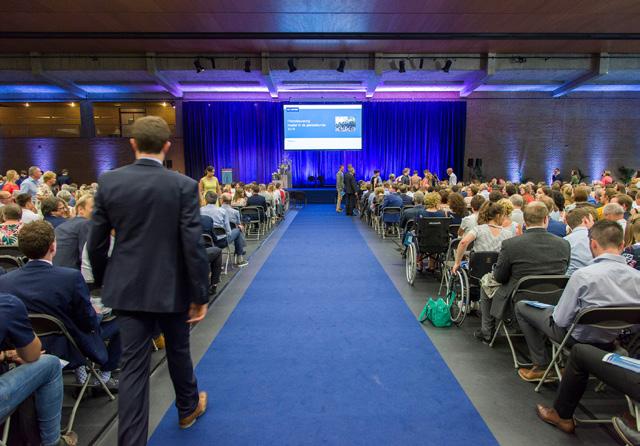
(323, 350)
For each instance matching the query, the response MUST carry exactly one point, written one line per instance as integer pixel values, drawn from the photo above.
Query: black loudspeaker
(168, 164)
(478, 162)
(470, 162)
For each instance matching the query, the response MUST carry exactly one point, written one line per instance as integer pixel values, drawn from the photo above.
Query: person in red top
(10, 185)
(606, 178)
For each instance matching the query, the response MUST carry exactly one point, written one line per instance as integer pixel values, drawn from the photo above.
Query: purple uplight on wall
(104, 156)
(43, 152)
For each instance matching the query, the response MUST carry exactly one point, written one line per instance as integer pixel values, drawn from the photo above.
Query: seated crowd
(44, 222)
(589, 233)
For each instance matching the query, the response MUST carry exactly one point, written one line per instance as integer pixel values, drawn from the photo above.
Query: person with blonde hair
(45, 190)
(10, 183)
(632, 242)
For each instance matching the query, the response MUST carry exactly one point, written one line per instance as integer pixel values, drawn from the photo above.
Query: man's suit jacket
(62, 293)
(412, 214)
(406, 200)
(392, 201)
(207, 225)
(350, 186)
(257, 200)
(70, 239)
(536, 252)
(158, 263)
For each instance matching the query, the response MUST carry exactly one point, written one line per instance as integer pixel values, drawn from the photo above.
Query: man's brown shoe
(188, 421)
(535, 373)
(549, 415)
(69, 439)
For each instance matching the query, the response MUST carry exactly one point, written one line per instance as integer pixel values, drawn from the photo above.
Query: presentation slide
(323, 127)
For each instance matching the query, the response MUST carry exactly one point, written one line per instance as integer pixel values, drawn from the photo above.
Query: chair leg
(5, 431)
(74, 409)
(94, 372)
(495, 334)
(556, 354)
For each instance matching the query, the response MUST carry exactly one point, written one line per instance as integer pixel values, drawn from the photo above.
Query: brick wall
(85, 158)
(529, 137)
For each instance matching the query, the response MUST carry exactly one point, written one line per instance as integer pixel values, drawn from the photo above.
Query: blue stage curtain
(248, 137)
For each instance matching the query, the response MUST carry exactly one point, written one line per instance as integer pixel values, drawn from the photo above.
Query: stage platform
(317, 195)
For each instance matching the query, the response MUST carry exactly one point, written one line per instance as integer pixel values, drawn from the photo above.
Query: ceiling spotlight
(421, 63)
(292, 66)
(26, 104)
(164, 104)
(173, 104)
(402, 68)
(247, 66)
(447, 66)
(72, 104)
(213, 63)
(341, 65)
(198, 65)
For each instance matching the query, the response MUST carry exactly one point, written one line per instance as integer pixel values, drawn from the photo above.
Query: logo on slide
(345, 124)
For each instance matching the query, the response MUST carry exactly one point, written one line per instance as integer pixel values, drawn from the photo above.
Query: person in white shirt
(516, 215)
(580, 220)
(453, 179)
(29, 212)
(471, 221)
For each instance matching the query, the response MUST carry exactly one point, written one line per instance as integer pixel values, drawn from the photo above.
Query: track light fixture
(421, 63)
(292, 66)
(518, 59)
(447, 66)
(402, 68)
(247, 66)
(198, 65)
(341, 65)
(213, 63)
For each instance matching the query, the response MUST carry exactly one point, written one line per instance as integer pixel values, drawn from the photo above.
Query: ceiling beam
(37, 70)
(600, 67)
(479, 77)
(266, 75)
(172, 87)
(374, 74)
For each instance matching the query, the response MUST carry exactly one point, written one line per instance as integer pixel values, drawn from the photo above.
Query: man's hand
(197, 313)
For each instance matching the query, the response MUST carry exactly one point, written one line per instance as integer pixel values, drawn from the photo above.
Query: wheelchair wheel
(458, 291)
(411, 263)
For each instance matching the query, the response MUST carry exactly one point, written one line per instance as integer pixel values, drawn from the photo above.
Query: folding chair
(207, 240)
(390, 216)
(608, 318)
(46, 325)
(10, 262)
(251, 216)
(545, 288)
(5, 430)
(13, 251)
(220, 235)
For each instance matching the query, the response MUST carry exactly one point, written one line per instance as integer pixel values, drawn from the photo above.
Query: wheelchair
(464, 286)
(429, 238)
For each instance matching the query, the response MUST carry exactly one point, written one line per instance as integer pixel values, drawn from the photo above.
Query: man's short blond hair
(535, 213)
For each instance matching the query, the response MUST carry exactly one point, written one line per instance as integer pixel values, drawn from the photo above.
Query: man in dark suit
(71, 235)
(62, 293)
(536, 252)
(350, 190)
(392, 199)
(413, 213)
(157, 273)
(64, 178)
(406, 199)
(258, 200)
(214, 254)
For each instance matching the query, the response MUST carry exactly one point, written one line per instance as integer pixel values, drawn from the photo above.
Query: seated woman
(432, 202)
(632, 242)
(239, 199)
(458, 208)
(487, 235)
(11, 216)
(36, 374)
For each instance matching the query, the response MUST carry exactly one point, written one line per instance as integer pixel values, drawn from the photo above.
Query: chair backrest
(207, 240)
(545, 289)
(453, 230)
(391, 214)
(407, 206)
(481, 263)
(46, 325)
(251, 213)
(219, 232)
(611, 318)
(10, 262)
(12, 251)
(409, 225)
(433, 234)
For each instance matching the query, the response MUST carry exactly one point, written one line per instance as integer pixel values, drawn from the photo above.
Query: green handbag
(438, 311)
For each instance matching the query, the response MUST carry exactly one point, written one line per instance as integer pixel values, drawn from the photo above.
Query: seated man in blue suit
(62, 293)
(555, 227)
(393, 199)
(406, 199)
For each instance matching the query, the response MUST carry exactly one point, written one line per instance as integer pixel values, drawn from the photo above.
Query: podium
(226, 176)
